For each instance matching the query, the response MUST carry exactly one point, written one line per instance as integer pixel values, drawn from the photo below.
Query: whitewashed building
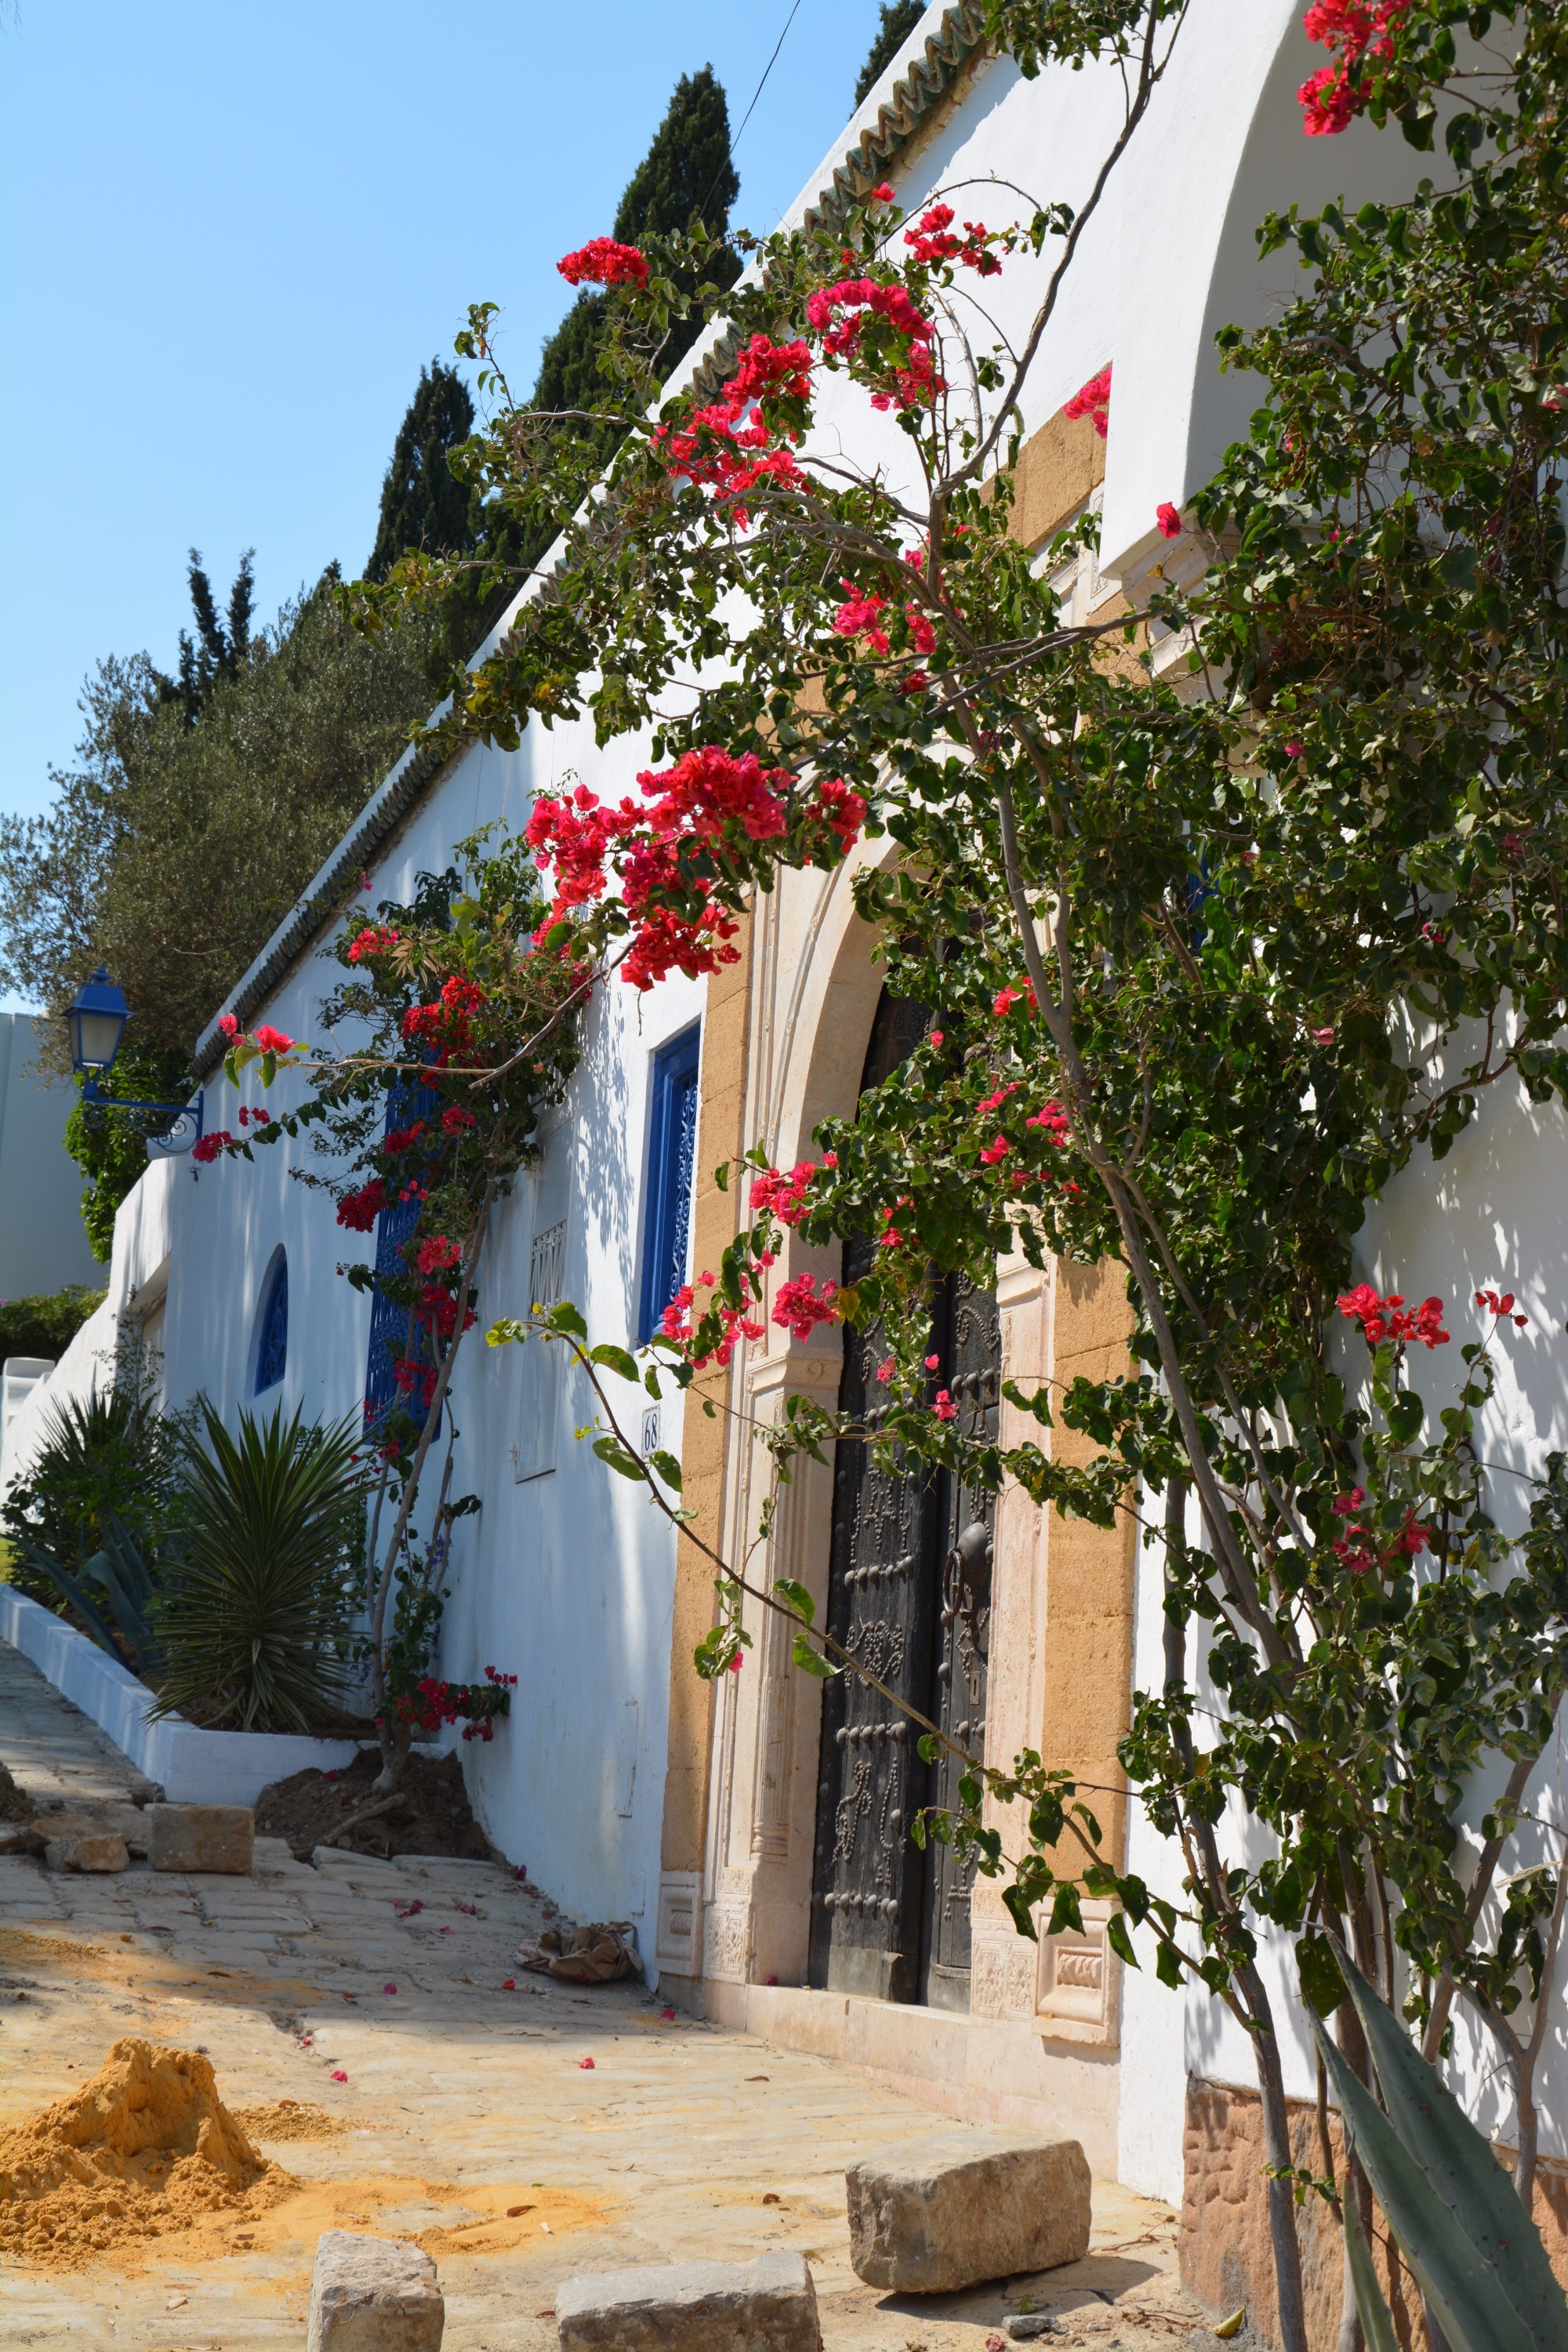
(630, 1787)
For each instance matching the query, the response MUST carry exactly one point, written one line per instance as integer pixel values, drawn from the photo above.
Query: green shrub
(108, 1460)
(46, 1323)
(256, 1593)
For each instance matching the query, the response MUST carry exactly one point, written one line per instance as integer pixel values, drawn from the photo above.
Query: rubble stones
(201, 1837)
(765, 2305)
(103, 1853)
(373, 2294)
(934, 2215)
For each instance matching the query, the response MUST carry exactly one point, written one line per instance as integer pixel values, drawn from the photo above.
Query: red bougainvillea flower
(1169, 520)
(1005, 998)
(372, 940)
(339, 2075)
(1092, 400)
(603, 262)
(666, 2016)
(509, 1984)
(799, 1309)
(207, 1148)
(585, 2065)
(931, 1363)
(775, 1194)
(1359, 31)
(269, 1040)
(359, 1211)
(885, 1369)
(993, 1153)
(229, 1025)
(1389, 1319)
(455, 1119)
(437, 1252)
(1500, 1303)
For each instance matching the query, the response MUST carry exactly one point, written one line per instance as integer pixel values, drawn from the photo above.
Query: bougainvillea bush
(442, 1044)
(1221, 931)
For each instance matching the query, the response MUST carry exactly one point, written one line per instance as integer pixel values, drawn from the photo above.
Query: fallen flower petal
(585, 2065)
(339, 2075)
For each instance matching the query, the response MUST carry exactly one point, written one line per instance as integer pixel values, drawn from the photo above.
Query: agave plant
(112, 1593)
(254, 1604)
(1476, 2253)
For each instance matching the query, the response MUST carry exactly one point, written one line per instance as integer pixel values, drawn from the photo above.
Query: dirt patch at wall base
(432, 1815)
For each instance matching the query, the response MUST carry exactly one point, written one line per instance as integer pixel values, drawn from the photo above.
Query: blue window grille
(394, 1227)
(272, 1331)
(672, 1156)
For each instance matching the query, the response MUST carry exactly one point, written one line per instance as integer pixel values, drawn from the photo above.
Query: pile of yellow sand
(146, 2149)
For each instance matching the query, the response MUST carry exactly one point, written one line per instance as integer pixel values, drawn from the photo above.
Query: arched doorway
(909, 1595)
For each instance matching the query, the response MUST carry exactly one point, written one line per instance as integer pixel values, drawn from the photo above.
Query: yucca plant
(1477, 2256)
(255, 1600)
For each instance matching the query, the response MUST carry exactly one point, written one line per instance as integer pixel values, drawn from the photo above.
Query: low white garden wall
(212, 1768)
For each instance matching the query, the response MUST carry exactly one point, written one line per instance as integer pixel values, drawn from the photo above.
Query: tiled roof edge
(920, 88)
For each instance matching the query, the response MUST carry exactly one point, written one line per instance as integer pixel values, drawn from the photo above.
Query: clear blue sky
(230, 236)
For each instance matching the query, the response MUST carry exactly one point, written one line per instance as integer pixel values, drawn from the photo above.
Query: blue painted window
(394, 1227)
(672, 1156)
(272, 1333)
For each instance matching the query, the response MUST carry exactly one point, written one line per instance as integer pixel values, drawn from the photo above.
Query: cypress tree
(899, 18)
(686, 175)
(422, 504)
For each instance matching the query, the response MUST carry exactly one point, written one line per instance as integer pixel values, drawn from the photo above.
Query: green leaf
(610, 1450)
(1321, 1983)
(566, 1318)
(1119, 1941)
(796, 1596)
(1064, 1909)
(614, 1359)
(811, 1661)
(1168, 1968)
(667, 1467)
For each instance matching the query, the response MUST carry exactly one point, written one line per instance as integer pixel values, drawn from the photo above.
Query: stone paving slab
(468, 2121)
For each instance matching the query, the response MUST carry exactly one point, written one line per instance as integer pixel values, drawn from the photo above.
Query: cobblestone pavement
(462, 2100)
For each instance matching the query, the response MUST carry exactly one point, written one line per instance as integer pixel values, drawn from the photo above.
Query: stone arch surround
(1039, 2046)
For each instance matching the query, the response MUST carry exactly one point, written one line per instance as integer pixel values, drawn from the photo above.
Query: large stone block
(373, 2294)
(765, 2305)
(201, 1837)
(933, 2215)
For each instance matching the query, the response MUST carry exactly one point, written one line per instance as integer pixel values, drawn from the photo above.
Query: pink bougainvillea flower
(737, 1662)
(937, 1038)
(799, 1309)
(603, 262)
(1294, 750)
(1169, 520)
(944, 1407)
(1092, 400)
(931, 1363)
(229, 1025)
(1321, 1036)
(269, 1040)
(885, 1369)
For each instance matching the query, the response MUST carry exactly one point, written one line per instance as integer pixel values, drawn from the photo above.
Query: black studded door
(966, 1522)
(908, 1596)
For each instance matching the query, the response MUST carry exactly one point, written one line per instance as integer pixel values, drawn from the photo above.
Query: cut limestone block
(766, 2305)
(933, 2215)
(373, 2294)
(87, 1854)
(201, 1837)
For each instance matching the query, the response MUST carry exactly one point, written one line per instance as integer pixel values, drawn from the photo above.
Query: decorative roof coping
(915, 88)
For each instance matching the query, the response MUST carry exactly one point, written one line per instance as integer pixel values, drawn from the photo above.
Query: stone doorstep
(934, 2215)
(199, 1839)
(765, 2305)
(373, 2294)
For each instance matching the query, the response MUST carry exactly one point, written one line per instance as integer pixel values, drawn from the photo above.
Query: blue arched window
(272, 1325)
(394, 1227)
(671, 1161)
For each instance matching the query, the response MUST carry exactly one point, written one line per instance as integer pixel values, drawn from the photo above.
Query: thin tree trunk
(1278, 2153)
